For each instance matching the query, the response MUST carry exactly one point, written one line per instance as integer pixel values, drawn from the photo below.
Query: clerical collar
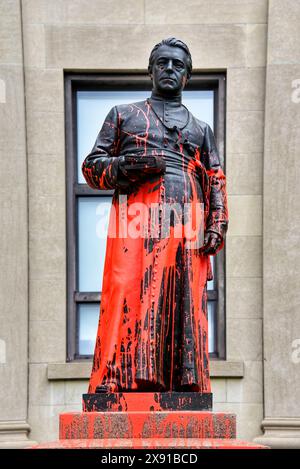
(172, 114)
(175, 101)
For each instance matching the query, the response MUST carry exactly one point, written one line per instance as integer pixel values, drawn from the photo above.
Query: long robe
(153, 324)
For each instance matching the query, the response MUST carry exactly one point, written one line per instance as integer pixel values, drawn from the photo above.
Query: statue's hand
(135, 167)
(125, 177)
(211, 243)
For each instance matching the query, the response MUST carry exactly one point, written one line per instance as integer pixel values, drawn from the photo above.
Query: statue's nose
(170, 64)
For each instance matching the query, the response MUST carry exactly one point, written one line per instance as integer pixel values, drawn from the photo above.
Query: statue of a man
(153, 333)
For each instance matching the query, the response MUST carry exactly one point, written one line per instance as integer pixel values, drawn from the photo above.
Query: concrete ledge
(280, 433)
(226, 369)
(82, 370)
(14, 435)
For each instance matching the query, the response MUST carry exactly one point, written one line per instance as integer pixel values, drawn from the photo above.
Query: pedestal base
(154, 425)
(148, 443)
(146, 401)
(147, 420)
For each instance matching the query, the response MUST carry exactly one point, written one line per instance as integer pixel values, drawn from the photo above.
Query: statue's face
(169, 70)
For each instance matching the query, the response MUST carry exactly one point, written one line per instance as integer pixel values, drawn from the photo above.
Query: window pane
(211, 326)
(88, 316)
(93, 212)
(93, 218)
(93, 107)
(201, 105)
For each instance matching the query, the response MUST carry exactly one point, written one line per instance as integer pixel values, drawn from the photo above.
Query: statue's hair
(171, 41)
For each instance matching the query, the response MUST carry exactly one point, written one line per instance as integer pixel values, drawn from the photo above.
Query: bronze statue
(152, 333)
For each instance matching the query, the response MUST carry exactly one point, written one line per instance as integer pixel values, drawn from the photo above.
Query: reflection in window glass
(88, 316)
(93, 218)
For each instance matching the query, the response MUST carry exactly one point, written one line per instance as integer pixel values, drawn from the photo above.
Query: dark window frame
(128, 81)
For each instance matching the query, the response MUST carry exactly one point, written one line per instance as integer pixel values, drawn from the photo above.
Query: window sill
(82, 370)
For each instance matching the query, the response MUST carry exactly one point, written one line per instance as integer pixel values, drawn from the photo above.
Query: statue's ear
(187, 80)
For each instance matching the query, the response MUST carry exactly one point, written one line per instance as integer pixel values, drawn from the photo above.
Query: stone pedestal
(147, 420)
(147, 424)
(148, 429)
(146, 401)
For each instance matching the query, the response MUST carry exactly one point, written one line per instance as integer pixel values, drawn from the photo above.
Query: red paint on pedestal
(154, 425)
(147, 401)
(138, 429)
(151, 443)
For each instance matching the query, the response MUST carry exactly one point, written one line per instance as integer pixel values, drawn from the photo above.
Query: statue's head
(170, 65)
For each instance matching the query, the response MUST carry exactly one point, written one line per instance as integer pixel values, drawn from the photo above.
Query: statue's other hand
(211, 243)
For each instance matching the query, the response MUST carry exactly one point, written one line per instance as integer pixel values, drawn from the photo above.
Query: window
(88, 100)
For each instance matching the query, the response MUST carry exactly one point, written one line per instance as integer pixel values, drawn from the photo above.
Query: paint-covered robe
(152, 332)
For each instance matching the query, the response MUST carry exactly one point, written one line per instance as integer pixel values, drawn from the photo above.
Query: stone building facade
(256, 43)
